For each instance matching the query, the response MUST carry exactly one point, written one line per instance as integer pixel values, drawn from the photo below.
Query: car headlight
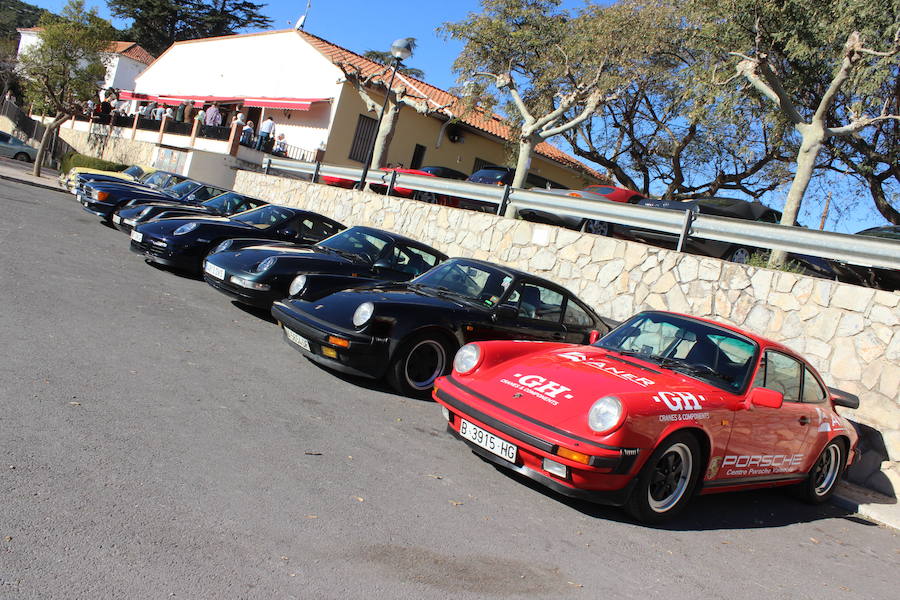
(605, 414)
(222, 247)
(265, 265)
(467, 358)
(363, 313)
(297, 285)
(186, 228)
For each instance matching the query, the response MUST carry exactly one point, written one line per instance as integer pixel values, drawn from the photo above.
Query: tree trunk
(806, 161)
(384, 135)
(526, 146)
(58, 120)
(881, 202)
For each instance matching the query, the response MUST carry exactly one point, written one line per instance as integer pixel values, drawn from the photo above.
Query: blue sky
(361, 25)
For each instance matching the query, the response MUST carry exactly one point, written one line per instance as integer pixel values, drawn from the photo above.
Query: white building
(124, 61)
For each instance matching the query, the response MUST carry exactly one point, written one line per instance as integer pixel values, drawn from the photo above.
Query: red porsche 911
(661, 408)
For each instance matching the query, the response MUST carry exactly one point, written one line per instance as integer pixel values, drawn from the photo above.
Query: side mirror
(382, 263)
(287, 232)
(593, 336)
(765, 397)
(504, 313)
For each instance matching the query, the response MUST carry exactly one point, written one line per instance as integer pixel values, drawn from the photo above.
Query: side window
(812, 390)
(413, 260)
(4, 138)
(782, 374)
(537, 302)
(576, 316)
(318, 229)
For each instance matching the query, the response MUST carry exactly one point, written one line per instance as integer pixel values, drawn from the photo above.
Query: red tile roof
(490, 123)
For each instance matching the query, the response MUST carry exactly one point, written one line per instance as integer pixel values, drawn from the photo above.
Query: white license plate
(117, 219)
(488, 441)
(130, 222)
(297, 339)
(137, 236)
(214, 271)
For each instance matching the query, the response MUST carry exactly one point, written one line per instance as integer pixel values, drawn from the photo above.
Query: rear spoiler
(842, 398)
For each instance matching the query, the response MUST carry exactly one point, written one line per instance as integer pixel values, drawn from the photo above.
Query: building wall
(850, 334)
(122, 73)
(415, 128)
(304, 128)
(272, 65)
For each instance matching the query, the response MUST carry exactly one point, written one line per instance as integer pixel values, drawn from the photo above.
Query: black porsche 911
(409, 332)
(223, 205)
(258, 272)
(103, 199)
(184, 243)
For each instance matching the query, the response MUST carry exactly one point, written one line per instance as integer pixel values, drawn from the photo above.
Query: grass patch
(761, 259)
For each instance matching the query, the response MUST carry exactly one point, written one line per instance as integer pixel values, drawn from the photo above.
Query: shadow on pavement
(255, 311)
(756, 509)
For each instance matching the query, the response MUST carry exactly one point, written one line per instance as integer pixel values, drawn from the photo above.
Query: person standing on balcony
(201, 115)
(213, 116)
(266, 130)
(179, 112)
(247, 134)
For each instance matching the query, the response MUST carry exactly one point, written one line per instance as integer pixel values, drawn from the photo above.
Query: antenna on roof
(302, 20)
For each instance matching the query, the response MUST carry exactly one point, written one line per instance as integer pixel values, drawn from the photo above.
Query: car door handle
(804, 420)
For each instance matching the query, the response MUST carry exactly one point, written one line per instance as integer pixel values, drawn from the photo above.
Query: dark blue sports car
(184, 243)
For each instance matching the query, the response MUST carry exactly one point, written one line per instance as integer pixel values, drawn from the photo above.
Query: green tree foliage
(157, 24)
(15, 14)
(66, 65)
(543, 62)
(826, 68)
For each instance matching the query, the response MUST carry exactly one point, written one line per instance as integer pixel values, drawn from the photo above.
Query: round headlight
(605, 414)
(186, 228)
(265, 265)
(467, 358)
(222, 247)
(363, 313)
(297, 285)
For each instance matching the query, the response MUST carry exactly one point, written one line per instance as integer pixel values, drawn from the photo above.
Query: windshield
(698, 349)
(182, 188)
(156, 178)
(227, 201)
(134, 171)
(264, 216)
(489, 175)
(471, 280)
(356, 241)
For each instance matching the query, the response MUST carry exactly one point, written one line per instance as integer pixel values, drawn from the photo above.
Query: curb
(46, 186)
(871, 505)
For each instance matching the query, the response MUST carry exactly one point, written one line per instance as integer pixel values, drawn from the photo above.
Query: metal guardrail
(852, 249)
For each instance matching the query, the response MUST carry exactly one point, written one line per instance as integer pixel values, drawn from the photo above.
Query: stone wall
(117, 147)
(849, 333)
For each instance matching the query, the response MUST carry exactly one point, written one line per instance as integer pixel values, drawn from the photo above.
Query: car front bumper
(258, 298)
(608, 479)
(364, 356)
(165, 252)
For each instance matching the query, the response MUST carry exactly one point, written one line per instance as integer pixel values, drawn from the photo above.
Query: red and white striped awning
(175, 99)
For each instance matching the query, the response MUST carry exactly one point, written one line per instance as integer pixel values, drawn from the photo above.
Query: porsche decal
(606, 368)
(761, 464)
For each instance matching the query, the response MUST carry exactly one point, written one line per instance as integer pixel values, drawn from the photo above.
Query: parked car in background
(133, 173)
(430, 197)
(13, 147)
(103, 198)
(223, 205)
(878, 277)
(606, 193)
(501, 176)
(183, 243)
(659, 409)
(259, 272)
(408, 332)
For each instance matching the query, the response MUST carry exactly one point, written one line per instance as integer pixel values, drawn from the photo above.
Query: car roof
(401, 239)
(515, 272)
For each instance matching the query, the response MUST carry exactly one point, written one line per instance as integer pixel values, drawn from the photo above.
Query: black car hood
(204, 225)
(390, 300)
(291, 257)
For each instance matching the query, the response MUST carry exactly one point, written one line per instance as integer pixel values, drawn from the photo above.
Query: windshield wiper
(679, 364)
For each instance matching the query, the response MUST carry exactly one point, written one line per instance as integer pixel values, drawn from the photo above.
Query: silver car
(14, 148)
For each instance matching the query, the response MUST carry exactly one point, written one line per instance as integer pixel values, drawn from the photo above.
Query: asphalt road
(159, 442)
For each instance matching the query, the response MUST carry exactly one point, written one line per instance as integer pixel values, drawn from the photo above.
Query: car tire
(824, 475)
(601, 228)
(667, 481)
(739, 254)
(417, 363)
(23, 156)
